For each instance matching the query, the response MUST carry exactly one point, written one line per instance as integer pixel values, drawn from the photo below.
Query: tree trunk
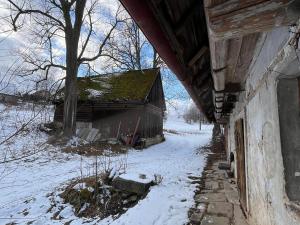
(72, 34)
(70, 103)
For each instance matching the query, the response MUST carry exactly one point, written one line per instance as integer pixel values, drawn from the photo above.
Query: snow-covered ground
(176, 123)
(29, 187)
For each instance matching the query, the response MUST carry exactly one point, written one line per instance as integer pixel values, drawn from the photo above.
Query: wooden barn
(120, 105)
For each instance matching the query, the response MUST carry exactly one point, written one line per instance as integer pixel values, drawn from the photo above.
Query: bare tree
(72, 20)
(193, 114)
(130, 50)
(157, 61)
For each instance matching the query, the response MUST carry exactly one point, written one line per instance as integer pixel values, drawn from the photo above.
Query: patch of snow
(73, 142)
(136, 177)
(84, 207)
(94, 93)
(79, 186)
(90, 189)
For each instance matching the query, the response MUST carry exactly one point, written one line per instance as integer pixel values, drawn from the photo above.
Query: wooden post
(118, 133)
(199, 123)
(135, 130)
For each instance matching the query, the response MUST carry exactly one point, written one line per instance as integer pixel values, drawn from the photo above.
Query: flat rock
(215, 220)
(204, 191)
(132, 198)
(131, 186)
(210, 197)
(202, 207)
(239, 218)
(227, 186)
(208, 171)
(196, 217)
(232, 197)
(220, 209)
(221, 173)
(212, 185)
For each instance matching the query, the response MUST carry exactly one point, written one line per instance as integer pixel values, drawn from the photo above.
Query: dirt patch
(52, 128)
(90, 198)
(97, 149)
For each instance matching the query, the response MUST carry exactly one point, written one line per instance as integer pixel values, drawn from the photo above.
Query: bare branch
(100, 51)
(32, 11)
(104, 42)
(89, 33)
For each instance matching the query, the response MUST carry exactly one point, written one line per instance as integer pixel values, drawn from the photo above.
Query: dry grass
(104, 201)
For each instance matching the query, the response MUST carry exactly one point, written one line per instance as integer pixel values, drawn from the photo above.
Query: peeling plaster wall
(267, 200)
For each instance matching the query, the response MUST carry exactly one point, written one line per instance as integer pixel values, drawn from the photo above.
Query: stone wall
(267, 202)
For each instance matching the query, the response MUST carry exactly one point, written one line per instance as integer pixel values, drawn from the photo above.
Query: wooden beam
(231, 98)
(219, 78)
(197, 56)
(195, 7)
(232, 88)
(246, 56)
(209, 3)
(225, 7)
(234, 47)
(168, 29)
(218, 53)
(236, 18)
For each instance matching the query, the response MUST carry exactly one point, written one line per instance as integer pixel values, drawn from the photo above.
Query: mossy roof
(131, 85)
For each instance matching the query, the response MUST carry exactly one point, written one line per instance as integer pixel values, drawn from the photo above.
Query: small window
(288, 91)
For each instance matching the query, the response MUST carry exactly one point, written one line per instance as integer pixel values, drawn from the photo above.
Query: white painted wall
(267, 201)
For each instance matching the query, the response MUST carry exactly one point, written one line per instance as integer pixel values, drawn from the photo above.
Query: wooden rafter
(168, 29)
(234, 49)
(236, 18)
(179, 27)
(232, 88)
(198, 55)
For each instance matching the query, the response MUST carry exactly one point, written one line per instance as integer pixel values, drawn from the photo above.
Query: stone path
(216, 200)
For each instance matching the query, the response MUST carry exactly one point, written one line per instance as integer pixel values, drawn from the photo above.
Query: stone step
(210, 197)
(220, 209)
(215, 220)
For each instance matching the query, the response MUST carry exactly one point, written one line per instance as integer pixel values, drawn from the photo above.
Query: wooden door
(241, 169)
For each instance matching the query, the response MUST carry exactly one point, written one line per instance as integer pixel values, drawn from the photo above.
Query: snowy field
(178, 124)
(29, 187)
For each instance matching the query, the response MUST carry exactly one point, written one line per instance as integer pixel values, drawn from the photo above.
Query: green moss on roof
(127, 86)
